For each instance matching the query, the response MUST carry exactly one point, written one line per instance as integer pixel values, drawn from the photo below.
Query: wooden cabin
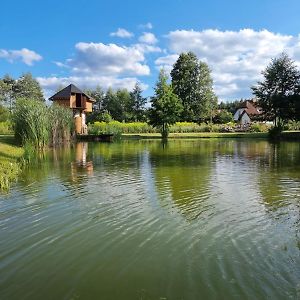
(72, 97)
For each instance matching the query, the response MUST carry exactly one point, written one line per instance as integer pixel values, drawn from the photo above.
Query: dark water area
(190, 219)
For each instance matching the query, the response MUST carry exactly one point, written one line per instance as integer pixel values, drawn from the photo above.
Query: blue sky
(115, 43)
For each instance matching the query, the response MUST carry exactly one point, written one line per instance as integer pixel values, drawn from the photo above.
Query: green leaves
(37, 124)
(192, 83)
(165, 106)
(24, 87)
(279, 92)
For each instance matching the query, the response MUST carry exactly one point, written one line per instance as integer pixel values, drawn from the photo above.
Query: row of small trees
(120, 105)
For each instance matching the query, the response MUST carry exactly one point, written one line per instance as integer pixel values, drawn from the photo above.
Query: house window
(78, 100)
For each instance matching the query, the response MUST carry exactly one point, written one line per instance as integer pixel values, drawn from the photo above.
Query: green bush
(4, 114)
(116, 127)
(259, 127)
(223, 117)
(292, 125)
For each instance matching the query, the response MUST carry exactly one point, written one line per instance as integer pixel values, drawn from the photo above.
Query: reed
(39, 125)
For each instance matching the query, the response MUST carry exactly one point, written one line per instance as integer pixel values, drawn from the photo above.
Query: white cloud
(235, 57)
(122, 33)
(111, 59)
(144, 48)
(166, 62)
(148, 38)
(146, 26)
(60, 64)
(50, 84)
(25, 55)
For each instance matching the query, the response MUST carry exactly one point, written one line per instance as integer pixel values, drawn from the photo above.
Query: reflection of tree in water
(182, 174)
(280, 175)
(279, 181)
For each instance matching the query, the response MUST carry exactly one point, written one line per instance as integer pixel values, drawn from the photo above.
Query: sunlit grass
(10, 155)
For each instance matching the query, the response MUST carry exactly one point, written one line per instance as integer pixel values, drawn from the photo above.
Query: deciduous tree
(279, 92)
(192, 83)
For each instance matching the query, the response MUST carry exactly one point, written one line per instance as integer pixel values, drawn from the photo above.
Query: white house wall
(245, 119)
(237, 114)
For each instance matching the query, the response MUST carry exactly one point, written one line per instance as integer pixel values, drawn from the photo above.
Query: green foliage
(138, 103)
(165, 106)
(9, 165)
(192, 83)
(98, 95)
(230, 106)
(26, 87)
(4, 114)
(6, 127)
(39, 125)
(259, 127)
(7, 96)
(223, 117)
(120, 105)
(61, 123)
(275, 132)
(31, 122)
(119, 127)
(292, 125)
(279, 92)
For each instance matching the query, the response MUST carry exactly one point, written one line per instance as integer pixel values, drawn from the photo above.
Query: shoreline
(285, 135)
(10, 166)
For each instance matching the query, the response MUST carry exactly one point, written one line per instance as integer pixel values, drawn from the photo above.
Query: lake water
(191, 219)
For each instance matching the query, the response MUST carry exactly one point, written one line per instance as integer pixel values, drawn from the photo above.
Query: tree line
(186, 96)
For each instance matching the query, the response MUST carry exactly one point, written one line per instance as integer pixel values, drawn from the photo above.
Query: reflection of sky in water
(190, 219)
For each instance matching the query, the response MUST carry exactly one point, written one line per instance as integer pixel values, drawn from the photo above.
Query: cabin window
(78, 100)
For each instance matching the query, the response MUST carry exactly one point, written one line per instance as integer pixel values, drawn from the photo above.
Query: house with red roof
(247, 112)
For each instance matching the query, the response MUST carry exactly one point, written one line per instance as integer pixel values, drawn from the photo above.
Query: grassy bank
(10, 155)
(198, 135)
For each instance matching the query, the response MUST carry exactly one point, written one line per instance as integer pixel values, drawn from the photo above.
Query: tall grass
(61, 124)
(39, 125)
(10, 156)
(6, 127)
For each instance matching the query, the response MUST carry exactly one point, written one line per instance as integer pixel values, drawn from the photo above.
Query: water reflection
(81, 164)
(188, 219)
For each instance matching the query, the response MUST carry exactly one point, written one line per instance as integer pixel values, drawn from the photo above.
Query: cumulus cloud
(122, 33)
(148, 38)
(235, 57)
(111, 59)
(25, 55)
(144, 48)
(166, 62)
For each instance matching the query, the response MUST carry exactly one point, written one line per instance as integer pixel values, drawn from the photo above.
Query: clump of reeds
(61, 124)
(39, 125)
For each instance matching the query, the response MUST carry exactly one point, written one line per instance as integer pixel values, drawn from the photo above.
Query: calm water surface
(193, 219)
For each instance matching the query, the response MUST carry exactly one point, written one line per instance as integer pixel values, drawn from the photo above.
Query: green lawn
(10, 154)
